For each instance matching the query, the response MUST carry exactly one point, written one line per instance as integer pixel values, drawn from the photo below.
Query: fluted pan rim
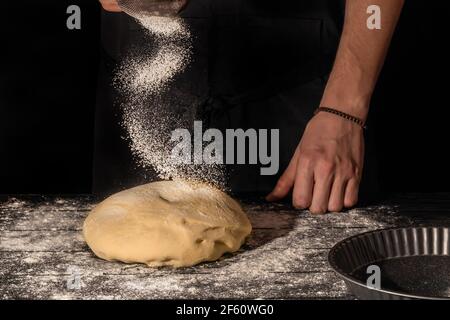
(380, 245)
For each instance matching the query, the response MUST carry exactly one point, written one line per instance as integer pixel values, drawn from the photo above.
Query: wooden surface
(43, 255)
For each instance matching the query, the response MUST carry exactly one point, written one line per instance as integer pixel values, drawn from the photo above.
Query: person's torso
(260, 46)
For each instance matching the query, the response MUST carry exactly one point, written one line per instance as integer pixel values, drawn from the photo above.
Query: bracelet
(341, 114)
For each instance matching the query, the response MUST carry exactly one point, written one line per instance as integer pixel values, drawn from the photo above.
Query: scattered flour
(285, 256)
(151, 107)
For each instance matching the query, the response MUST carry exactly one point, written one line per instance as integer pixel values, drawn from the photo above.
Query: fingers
(351, 193)
(333, 192)
(304, 184)
(286, 181)
(337, 196)
(323, 181)
(110, 5)
(333, 187)
(318, 185)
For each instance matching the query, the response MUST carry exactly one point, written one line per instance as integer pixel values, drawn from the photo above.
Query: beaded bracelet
(341, 114)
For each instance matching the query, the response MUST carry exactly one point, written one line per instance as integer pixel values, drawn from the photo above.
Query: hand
(325, 171)
(110, 5)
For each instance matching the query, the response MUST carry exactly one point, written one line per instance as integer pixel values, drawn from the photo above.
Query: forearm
(360, 56)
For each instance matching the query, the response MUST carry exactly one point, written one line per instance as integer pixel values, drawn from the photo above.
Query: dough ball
(168, 223)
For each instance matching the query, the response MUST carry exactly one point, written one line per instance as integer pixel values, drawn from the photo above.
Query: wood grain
(42, 251)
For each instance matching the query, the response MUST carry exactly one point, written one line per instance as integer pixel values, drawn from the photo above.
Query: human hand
(325, 171)
(110, 5)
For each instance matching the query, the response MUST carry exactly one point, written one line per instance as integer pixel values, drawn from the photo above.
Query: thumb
(285, 183)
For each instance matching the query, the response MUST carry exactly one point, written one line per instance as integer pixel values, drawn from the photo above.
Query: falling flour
(152, 107)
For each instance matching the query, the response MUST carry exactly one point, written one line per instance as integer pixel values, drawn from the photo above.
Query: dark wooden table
(43, 255)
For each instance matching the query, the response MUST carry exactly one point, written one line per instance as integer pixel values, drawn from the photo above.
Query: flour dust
(153, 106)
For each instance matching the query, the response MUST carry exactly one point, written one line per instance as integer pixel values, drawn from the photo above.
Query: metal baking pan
(395, 264)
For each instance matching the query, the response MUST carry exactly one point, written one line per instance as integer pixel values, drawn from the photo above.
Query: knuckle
(347, 166)
(307, 159)
(312, 153)
(349, 171)
(354, 168)
(281, 184)
(325, 166)
(357, 171)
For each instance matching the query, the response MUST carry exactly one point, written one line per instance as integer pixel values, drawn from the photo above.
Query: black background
(48, 80)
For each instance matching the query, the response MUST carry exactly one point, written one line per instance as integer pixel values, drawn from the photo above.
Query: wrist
(342, 115)
(355, 105)
(351, 95)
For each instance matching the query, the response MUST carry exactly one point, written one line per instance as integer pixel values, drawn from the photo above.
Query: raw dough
(168, 223)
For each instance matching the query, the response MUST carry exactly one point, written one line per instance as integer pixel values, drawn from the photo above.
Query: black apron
(267, 65)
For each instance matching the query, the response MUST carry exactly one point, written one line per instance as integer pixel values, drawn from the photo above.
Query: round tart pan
(414, 263)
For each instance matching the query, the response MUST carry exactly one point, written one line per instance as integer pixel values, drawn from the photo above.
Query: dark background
(48, 80)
